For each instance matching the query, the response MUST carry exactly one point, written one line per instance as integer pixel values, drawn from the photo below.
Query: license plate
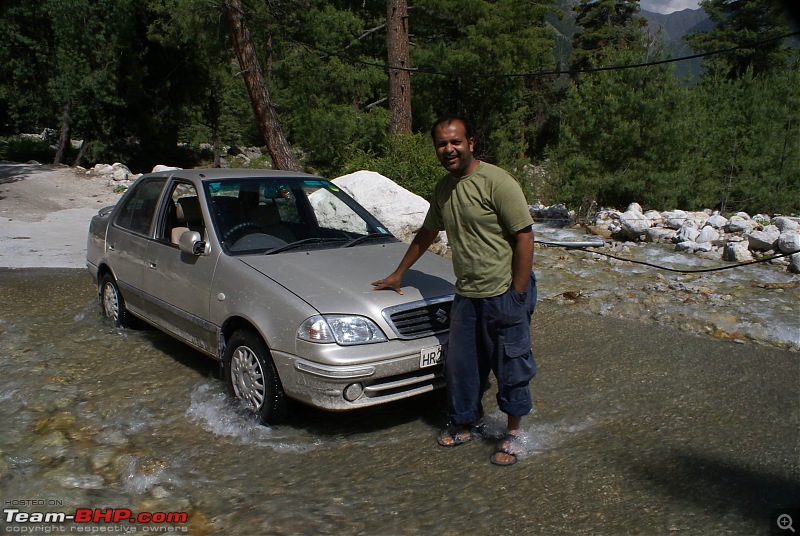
(429, 357)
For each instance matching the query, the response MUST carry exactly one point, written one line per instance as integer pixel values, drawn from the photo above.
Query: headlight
(343, 329)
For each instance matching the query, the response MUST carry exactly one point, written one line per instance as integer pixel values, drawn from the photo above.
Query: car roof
(227, 173)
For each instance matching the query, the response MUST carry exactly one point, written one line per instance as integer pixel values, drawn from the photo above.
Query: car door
(177, 284)
(128, 237)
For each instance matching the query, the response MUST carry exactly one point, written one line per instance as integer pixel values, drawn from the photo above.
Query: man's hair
(447, 119)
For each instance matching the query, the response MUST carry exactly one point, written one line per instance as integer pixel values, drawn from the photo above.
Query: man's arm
(522, 261)
(422, 241)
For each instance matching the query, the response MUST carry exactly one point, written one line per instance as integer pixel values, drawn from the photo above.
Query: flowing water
(640, 425)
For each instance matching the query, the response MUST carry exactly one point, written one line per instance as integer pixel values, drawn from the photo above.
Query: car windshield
(272, 215)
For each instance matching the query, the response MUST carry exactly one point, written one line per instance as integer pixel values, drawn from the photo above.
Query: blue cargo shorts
(490, 335)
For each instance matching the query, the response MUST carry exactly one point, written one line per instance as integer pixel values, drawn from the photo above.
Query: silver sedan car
(269, 272)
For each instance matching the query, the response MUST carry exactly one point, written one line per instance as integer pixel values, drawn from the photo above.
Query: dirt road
(45, 213)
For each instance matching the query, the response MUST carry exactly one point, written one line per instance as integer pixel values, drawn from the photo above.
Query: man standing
(485, 214)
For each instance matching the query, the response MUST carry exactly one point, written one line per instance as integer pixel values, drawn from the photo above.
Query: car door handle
(111, 247)
(152, 265)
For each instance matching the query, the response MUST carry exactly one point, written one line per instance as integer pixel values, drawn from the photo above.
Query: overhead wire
(555, 72)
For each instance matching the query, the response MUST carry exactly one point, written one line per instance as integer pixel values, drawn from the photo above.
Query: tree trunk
(82, 151)
(398, 57)
(213, 117)
(267, 118)
(64, 137)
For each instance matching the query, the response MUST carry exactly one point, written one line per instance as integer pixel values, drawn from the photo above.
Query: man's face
(453, 148)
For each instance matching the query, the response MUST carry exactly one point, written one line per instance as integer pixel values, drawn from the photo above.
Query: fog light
(353, 391)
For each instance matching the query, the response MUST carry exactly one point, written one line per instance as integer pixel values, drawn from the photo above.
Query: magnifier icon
(785, 522)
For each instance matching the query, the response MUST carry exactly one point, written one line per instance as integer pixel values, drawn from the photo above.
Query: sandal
(453, 436)
(510, 445)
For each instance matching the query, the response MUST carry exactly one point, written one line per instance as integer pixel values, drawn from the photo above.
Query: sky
(667, 6)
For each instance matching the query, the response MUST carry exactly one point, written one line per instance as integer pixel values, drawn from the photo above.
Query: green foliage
(621, 136)
(607, 25)
(739, 23)
(481, 41)
(747, 153)
(23, 149)
(408, 160)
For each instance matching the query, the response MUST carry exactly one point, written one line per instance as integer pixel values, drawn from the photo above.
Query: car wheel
(112, 302)
(252, 378)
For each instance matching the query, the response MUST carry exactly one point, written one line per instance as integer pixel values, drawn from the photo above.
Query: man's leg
(513, 364)
(462, 372)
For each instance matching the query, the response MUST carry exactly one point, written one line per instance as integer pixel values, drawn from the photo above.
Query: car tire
(252, 379)
(111, 302)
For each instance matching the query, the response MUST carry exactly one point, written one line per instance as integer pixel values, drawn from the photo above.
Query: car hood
(338, 280)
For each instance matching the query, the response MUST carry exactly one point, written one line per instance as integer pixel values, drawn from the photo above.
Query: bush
(23, 149)
(408, 160)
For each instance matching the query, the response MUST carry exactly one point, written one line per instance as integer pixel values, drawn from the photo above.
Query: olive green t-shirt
(480, 213)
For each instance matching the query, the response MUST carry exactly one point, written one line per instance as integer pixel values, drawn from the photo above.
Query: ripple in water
(215, 412)
(539, 437)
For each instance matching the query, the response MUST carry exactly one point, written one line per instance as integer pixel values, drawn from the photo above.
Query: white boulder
(659, 235)
(736, 252)
(687, 232)
(794, 265)
(674, 218)
(717, 221)
(789, 241)
(740, 223)
(764, 240)
(161, 167)
(633, 223)
(707, 234)
(400, 210)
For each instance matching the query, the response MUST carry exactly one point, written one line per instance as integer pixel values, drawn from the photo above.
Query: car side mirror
(191, 242)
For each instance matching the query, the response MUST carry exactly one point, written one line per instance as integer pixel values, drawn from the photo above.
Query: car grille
(420, 319)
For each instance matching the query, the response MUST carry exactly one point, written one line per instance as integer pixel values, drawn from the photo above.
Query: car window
(332, 213)
(139, 206)
(257, 215)
(182, 213)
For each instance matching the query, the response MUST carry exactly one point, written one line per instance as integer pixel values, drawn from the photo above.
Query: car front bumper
(362, 383)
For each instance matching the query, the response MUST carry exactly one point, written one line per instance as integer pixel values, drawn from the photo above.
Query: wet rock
(5, 469)
(101, 457)
(69, 476)
(112, 437)
(51, 448)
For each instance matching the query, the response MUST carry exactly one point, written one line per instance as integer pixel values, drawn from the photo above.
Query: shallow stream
(640, 426)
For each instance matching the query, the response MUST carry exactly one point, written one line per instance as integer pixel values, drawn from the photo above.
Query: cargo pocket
(519, 366)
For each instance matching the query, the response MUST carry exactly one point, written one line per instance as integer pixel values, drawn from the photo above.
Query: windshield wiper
(298, 243)
(365, 238)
